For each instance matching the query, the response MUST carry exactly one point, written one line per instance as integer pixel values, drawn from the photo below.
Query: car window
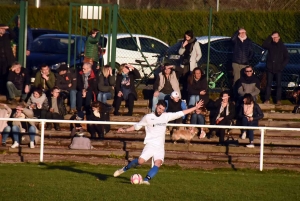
(174, 49)
(52, 45)
(294, 54)
(152, 46)
(222, 46)
(127, 43)
(36, 34)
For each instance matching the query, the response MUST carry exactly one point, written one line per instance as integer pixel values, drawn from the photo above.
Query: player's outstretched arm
(197, 106)
(123, 130)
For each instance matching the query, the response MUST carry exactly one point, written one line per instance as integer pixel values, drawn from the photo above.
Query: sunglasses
(248, 71)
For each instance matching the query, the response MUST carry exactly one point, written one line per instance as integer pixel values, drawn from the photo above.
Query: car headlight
(56, 66)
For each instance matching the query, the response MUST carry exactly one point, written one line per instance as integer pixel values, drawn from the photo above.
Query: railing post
(262, 137)
(42, 141)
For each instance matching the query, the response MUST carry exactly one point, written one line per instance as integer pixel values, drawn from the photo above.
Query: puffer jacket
(91, 47)
(242, 51)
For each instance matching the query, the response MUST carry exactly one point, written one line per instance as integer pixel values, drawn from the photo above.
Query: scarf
(248, 110)
(39, 100)
(222, 109)
(189, 47)
(85, 79)
(242, 39)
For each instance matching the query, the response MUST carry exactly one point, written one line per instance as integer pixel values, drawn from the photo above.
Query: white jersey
(156, 126)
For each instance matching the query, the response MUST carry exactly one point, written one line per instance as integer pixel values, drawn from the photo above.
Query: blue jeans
(270, 77)
(197, 119)
(5, 133)
(104, 96)
(161, 96)
(250, 133)
(73, 93)
(13, 91)
(193, 100)
(16, 132)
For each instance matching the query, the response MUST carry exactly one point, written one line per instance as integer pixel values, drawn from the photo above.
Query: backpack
(81, 143)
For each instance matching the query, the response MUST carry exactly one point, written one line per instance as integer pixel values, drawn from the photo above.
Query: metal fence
(44, 121)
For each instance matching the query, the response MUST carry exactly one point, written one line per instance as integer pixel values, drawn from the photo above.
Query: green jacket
(91, 47)
(41, 82)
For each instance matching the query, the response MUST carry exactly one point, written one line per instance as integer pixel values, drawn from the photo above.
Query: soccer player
(155, 126)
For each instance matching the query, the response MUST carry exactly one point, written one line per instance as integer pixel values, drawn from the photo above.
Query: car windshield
(52, 45)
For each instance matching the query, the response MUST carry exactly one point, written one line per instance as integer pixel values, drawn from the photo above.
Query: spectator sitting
(225, 111)
(198, 119)
(106, 84)
(4, 128)
(96, 116)
(57, 108)
(175, 104)
(38, 103)
(22, 127)
(86, 87)
(44, 79)
(165, 84)
(197, 87)
(18, 83)
(250, 113)
(249, 83)
(76, 127)
(66, 81)
(125, 88)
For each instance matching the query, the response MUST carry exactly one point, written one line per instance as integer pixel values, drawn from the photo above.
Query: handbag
(88, 60)
(81, 143)
(231, 142)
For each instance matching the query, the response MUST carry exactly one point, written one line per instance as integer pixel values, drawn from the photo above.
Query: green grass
(72, 181)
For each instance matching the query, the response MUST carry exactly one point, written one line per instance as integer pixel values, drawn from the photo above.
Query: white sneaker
(244, 135)
(145, 182)
(202, 134)
(250, 145)
(15, 145)
(119, 172)
(31, 145)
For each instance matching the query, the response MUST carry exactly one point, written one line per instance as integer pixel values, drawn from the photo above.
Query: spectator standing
(190, 52)
(250, 113)
(4, 127)
(225, 112)
(57, 108)
(277, 59)
(248, 84)
(29, 35)
(125, 89)
(92, 50)
(86, 87)
(38, 103)
(242, 52)
(166, 83)
(6, 55)
(66, 81)
(197, 87)
(18, 83)
(44, 79)
(106, 84)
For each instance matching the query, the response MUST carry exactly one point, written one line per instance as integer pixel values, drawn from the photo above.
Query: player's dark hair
(162, 103)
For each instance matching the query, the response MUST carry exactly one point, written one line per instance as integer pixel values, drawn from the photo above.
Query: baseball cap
(175, 94)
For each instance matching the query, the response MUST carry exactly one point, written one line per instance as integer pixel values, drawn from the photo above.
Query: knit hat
(62, 67)
(80, 115)
(175, 94)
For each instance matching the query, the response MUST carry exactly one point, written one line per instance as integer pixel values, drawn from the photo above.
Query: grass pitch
(70, 181)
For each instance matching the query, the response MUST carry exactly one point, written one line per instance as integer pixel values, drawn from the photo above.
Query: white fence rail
(43, 121)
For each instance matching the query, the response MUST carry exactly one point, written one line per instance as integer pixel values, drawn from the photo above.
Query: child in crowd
(38, 103)
(57, 108)
(76, 127)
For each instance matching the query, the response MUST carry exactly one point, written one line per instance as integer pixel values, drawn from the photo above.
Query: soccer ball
(136, 179)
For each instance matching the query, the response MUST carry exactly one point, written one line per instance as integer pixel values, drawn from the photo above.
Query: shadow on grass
(75, 170)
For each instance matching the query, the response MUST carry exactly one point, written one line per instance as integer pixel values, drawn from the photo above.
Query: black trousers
(96, 128)
(221, 131)
(130, 103)
(53, 115)
(86, 102)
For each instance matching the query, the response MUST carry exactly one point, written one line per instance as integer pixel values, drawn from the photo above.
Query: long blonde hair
(122, 66)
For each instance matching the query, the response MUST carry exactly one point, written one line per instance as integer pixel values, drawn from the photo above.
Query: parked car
(128, 49)
(220, 57)
(291, 73)
(52, 49)
(36, 32)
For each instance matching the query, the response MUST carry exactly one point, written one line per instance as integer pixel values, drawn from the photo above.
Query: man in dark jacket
(86, 87)
(67, 82)
(248, 84)
(277, 59)
(242, 52)
(18, 83)
(6, 54)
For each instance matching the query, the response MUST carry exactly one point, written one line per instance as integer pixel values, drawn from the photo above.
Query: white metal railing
(43, 121)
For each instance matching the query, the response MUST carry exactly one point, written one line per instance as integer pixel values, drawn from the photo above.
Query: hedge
(168, 25)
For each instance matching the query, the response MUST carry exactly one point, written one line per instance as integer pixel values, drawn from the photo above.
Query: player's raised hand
(199, 104)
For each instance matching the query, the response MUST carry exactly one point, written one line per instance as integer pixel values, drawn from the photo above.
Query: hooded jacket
(249, 85)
